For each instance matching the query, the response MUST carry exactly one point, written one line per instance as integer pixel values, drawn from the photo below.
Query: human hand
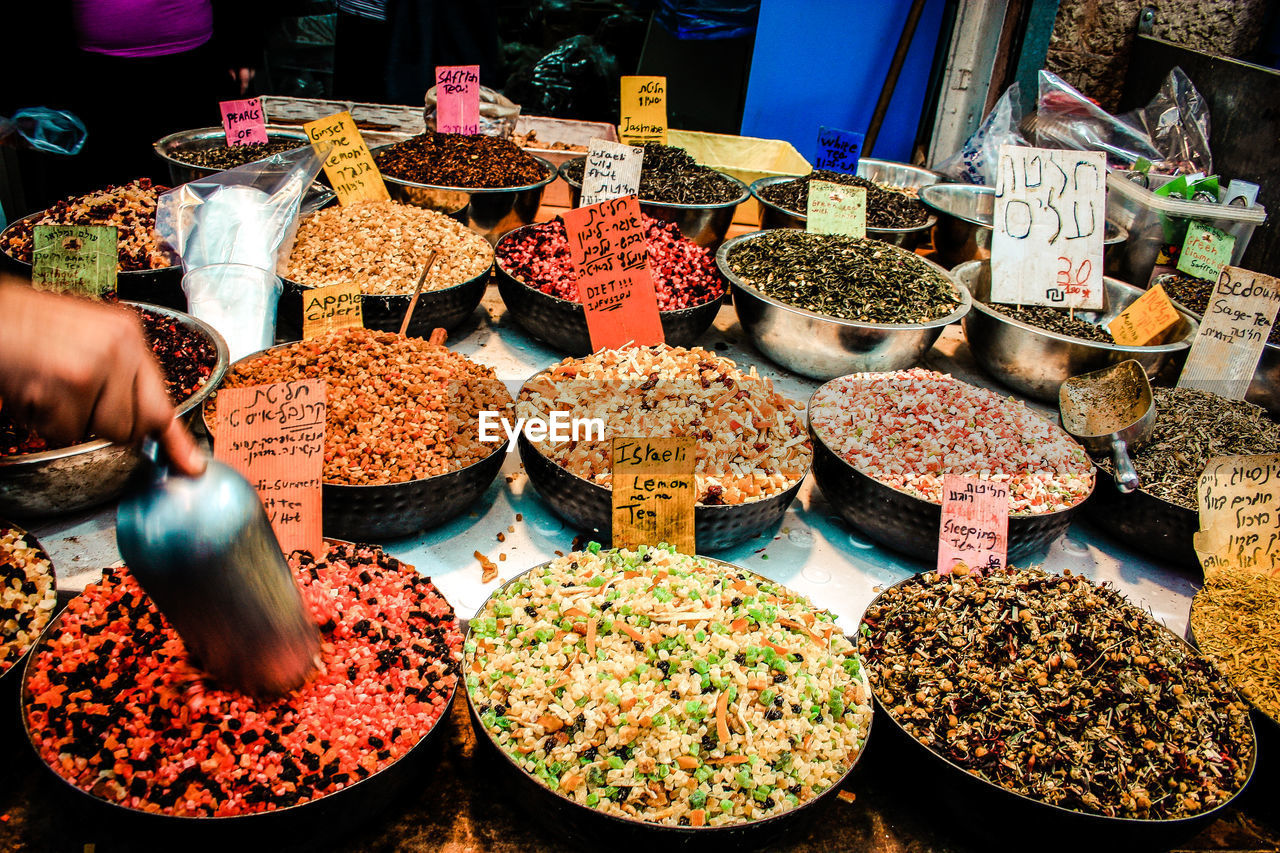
(243, 77)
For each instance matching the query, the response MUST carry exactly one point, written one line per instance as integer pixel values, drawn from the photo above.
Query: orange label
(653, 492)
(274, 436)
(607, 246)
(644, 110)
(330, 308)
(349, 166)
(975, 524)
(1146, 321)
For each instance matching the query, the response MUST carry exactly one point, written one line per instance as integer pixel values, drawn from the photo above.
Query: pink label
(975, 524)
(458, 99)
(244, 121)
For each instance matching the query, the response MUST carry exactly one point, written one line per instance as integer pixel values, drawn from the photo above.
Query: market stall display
(28, 595)
(1232, 623)
(194, 154)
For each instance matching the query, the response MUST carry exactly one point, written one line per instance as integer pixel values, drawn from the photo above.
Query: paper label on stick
(330, 308)
(644, 110)
(838, 150)
(245, 122)
(1239, 500)
(349, 166)
(975, 524)
(1049, 219)
(458, 99)
(274, 436)
(612, 171)
(1234, 330)
(1146, 321)
(653, 492)
(78, 259)
(608, 249)
(1205, 251)
(836, 209)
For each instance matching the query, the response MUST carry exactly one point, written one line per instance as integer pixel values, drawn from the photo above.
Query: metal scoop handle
(1126, 475)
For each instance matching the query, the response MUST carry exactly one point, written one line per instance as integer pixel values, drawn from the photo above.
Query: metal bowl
(490, 212)
(56, 482)
(562, 324)
(704, 224)
(823, 347)
(1035, 362)
(1148, 524)
(879, 171)
(170, 148)
(161, 286)
(589, 829)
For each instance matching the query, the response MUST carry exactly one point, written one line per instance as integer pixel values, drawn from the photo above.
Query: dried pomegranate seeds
(684, 273)
(118, 709)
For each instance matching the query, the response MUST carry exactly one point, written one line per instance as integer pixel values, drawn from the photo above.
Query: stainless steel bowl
(55, 482)
(880, 172)
(1035, 362)
(170, 148)
(823, 347)
(489, 212)
(704, 224)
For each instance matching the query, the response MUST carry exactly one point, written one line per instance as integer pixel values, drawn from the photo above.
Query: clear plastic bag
(498, 113)
(708, 19)
(977, 159)
(45, 129)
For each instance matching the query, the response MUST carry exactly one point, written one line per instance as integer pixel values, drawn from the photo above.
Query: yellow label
(328, 309)
(349, 167)
(644, 110)
(1146, 321)
(653, 492)
(836, 209)
(1239, 499)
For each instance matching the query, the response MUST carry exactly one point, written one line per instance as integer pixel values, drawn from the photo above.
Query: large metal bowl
(170, 148)
(823, 347)
(704, 224)
(879, 171)
(1149, 525)
(56, 482)
(1035, 362)
(490, 212)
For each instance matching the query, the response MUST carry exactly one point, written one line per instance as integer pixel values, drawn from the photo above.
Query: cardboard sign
(836, 209)
(245, 122)
(1232, 334)
(644, 110)
(1050, 214)
(838, 150)
(77, 259)
(349, 166)
(1205, 251)
(458, 99)
(612, 171)
(653, 492)
(607, 246)
(974, 534)
(1239, 500)
(328, 309)
(1146, 321)
(274, 436)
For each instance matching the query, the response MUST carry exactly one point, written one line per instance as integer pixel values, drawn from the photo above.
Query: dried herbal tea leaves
(1055, 320)
(1234, 622)
(670, 175)
(887, 206)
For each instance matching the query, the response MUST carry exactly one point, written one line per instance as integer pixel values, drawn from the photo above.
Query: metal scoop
(204, 550)
(1110, 410)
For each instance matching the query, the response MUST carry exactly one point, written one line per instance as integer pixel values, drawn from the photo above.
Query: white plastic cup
(239, 301)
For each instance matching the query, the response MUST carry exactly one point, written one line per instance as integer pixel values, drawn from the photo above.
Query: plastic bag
(1177, 123)
(708, 19)
(977, 159)
(577, 79)
(45, 129)
(498, 114)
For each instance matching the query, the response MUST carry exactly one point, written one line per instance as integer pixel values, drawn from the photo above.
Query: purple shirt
(142, 27)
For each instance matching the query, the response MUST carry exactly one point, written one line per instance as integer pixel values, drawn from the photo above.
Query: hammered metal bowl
(56, 482)
(1149, 525)
(824, 347)
(171, 148)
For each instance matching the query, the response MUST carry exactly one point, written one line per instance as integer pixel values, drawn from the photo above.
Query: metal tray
(1144, 522)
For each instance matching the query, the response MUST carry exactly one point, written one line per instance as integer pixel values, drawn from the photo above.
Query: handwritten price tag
(1050, 213)
(1239, 500)
(77, 259)
(1232, 334)
(1146, 321)
(274, 436)
(836, 209)
(1205, 251)
(975, 525)
(653, 494)
(349, 166)
(328, 309)
(644, 110)
(607, 247)
(612, 171)
(245, 122)
(838, 150)
(458, 99)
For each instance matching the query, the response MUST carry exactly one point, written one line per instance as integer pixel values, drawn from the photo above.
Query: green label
(74, 259)
(1205, 251)
(836, 209)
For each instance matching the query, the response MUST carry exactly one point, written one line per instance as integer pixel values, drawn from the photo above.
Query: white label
(612, 170)
(1234, 330)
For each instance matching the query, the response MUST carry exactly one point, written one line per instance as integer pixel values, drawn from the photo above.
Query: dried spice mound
(458, 160)
(670, 175)
(1194, 293)
(119, 710)
(1191, 428)
(1059, 689)
(1057, 320)
(1233, 619)
(887, 206)
(27, 596)
(222, 157)
(399, 408)
(846, 277)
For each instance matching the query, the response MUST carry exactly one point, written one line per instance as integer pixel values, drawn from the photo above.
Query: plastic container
(747, 158)
(1149, 218)
(237, 300)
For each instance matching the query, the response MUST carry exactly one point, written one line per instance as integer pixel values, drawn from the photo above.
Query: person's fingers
(186, 456)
